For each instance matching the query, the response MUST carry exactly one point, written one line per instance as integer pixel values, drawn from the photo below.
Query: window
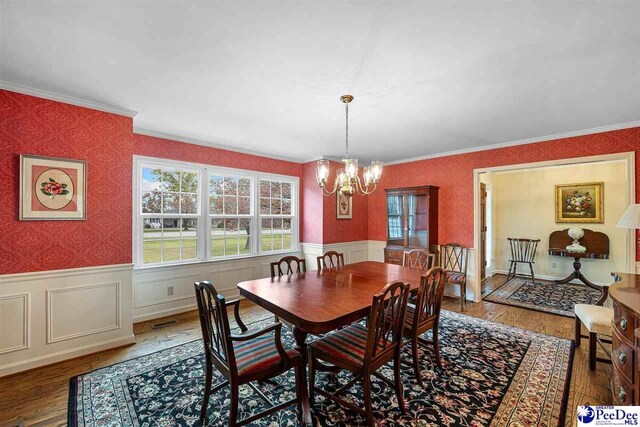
(189, 212)
(276, 215)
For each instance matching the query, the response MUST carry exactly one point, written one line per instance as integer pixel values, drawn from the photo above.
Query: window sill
(211, 260)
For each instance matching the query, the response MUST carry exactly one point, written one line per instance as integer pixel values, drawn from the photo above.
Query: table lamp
(631, 218)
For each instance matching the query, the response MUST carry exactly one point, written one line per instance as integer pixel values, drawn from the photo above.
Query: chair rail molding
(63, 314)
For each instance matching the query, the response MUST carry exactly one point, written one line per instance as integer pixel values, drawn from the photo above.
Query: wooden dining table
(321, 301)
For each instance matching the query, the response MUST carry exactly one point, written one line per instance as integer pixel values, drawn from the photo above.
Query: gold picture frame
(580, 203)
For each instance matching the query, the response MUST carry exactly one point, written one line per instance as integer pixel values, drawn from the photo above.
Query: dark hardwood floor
(39, 397)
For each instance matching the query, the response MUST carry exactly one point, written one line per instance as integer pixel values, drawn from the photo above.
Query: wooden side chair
(523, 251)
(364, 349)
(242, 359)
(454, 259)
(597, 319)
(330, 259)
(288, 265)
(425, 315)
(418, 258)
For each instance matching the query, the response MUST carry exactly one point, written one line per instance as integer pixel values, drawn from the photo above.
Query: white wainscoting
(50, 316)
(151, 286)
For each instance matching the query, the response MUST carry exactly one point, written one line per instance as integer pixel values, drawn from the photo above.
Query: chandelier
(347, 180)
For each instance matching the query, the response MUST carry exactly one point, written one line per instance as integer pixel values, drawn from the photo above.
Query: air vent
(164, 324)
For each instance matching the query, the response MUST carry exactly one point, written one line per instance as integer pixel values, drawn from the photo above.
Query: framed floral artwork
(344, 206)
(52, 188)
(580, 203)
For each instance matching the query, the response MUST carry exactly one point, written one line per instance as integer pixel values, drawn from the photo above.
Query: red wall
(312, 206)
(454, 176)
(30, 125)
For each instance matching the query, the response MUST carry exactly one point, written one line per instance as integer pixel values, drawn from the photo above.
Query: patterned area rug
(492, 375)
(544, 295)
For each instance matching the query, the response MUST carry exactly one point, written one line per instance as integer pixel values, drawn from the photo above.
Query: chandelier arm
(363, 190)
(335, 188)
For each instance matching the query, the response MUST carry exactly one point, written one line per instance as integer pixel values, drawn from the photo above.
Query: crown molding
(26, 90)
(171, 137)
(520, 142)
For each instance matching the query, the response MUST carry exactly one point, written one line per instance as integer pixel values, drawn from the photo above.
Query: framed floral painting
(580, 203)
(52, 188)
(344, 206)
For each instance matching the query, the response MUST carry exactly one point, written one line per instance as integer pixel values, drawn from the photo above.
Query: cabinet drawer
(624, 322)
(621, 389)
(623, 357)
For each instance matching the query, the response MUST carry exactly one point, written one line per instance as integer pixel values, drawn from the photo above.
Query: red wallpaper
(167, 149)
(454, 176)
(30, 125)
(343, 230)
(312, 206)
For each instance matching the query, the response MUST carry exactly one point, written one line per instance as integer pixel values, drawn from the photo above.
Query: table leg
(576, 275)
(300, 335)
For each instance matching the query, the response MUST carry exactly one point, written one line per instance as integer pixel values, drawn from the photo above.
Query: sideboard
(625, 350)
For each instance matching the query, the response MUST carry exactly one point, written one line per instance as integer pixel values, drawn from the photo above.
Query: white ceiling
(266, 76)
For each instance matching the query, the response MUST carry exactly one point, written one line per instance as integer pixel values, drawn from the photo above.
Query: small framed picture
(580, 203)
(344, 207)
(52, 188)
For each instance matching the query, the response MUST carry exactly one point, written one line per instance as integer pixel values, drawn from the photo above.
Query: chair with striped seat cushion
(348, 344)
(597, 319)
(258, 354)
(241, 359)
(425, 316)
(454, 259)
(454, 277)
(363, 350)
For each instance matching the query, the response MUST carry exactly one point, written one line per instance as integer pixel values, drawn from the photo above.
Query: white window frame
(204, 219)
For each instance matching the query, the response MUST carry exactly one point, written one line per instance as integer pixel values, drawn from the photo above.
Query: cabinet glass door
(418, 217)
(395, 220)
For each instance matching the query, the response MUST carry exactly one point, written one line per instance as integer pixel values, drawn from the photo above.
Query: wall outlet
(169, 291)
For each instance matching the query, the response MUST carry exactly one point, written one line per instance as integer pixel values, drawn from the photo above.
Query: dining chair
(364, 349)
(523, 251)
(330, 259)
(454, 259)
(418, 258)
(597, 319)
(242, 359)
(287, 265)
(425, 316)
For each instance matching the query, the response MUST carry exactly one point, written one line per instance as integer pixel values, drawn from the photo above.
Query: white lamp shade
(631, 217)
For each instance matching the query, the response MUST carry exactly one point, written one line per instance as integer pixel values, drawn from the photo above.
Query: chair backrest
(330, 259)
(523, 250)
(386, 322)
(216, 333)
(288, 265)
(454, 257)
(418, 258)
(429, 299)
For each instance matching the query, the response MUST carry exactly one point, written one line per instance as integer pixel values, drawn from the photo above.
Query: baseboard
(164, 313)
(71, 353)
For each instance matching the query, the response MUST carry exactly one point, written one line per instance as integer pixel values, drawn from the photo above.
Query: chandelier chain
(346, 128)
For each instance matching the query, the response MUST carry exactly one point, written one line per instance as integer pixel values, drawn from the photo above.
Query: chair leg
(416, 364)
(276, 318)
(207, 391)
(312, 376)
(533, 276)
(233, 413)
(368, 408)
(592, 350)
(578, 332)
(398, 380)
(463, 294)
(301, 391)
(436, 346)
